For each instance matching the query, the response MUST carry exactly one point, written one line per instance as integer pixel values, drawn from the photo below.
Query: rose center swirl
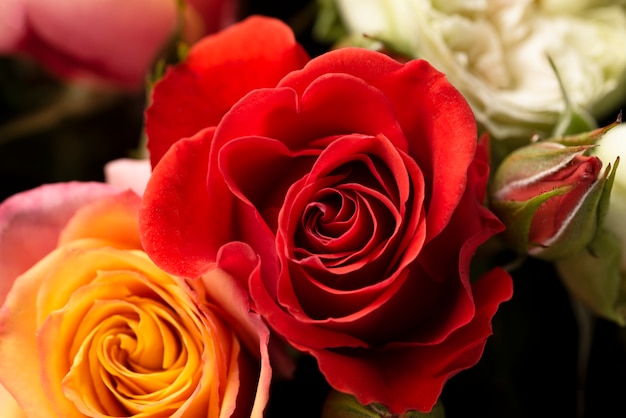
(347, 224)
(133, 355)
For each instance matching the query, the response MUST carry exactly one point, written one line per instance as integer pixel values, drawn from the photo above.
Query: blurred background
(49, 133)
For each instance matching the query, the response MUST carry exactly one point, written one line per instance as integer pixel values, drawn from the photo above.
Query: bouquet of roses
(330, 233)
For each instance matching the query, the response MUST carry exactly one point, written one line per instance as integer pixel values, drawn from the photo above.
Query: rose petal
(95, 293)
(31, 222)
(173, 231)
(215, 75)
(240, 253)
(18, 327)
(12, 23)
(416, 368)
(111, 218)
(334, 105)
(445, 127)
(10, 408)
(62, 36)
(470, 226)
(128, 173)
(232, 296)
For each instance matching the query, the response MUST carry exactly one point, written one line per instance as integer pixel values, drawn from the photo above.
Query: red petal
(411, 376)
(174, 220)
(219, 70)
(436, 120)
(441, 131)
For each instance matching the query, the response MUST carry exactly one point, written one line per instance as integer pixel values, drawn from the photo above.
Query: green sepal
(585, 138)
(593, 276)
(605, 198)
(533, 161)
(518, 216)
(342, 405)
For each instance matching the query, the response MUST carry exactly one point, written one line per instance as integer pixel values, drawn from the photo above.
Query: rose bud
(597, 277)
(548, 195)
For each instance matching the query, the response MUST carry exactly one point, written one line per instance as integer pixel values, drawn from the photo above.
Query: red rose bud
(550, 197)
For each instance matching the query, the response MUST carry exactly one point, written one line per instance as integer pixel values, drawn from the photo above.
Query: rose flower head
(95, 328)
(496, 53)
(552, 195)
(345, 191)
(113, 41)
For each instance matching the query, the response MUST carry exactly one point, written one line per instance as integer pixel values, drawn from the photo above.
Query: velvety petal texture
(217, 73)
(107, 333)
(348, 198)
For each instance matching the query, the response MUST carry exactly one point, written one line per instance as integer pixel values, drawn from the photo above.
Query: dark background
(529, 368)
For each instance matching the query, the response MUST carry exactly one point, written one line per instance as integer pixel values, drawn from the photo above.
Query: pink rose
(112, 40)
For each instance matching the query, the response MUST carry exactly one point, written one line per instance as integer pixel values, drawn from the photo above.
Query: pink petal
(31, 222)
(128, 173)
(232, 296)
(129, 37)
(12, 23)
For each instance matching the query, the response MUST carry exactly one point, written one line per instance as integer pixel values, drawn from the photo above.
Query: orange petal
(113, 218)
(18, 330)
(10, 408)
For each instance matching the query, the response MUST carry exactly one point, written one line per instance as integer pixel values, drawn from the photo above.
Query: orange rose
(96, 329)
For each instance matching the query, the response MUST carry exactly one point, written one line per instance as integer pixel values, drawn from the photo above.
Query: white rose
(495, 52)
(613, 145)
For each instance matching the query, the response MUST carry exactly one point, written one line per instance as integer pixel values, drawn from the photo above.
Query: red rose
(349, 198)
